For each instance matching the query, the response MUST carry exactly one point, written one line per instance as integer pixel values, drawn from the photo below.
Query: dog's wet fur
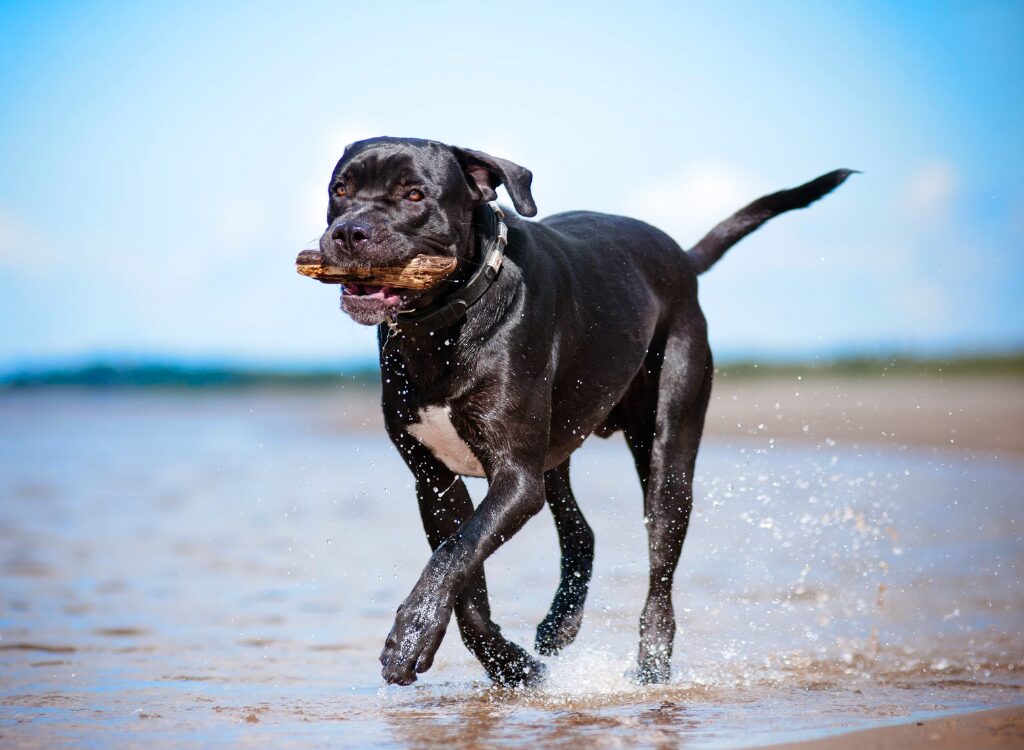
(592, 326)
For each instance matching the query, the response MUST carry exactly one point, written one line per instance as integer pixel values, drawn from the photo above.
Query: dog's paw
(419, 628)
(653, 671)
(514, 667)
(558, 630)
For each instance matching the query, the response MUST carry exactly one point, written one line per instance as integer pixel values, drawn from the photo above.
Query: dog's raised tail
(709, 250)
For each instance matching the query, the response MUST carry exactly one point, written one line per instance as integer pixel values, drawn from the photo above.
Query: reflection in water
(223, 568)
(501, 718)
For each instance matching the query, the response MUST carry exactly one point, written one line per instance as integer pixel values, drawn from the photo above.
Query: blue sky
(162, 163)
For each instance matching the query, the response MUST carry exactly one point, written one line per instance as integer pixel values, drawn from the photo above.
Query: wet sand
(220, 570)
(978, 730)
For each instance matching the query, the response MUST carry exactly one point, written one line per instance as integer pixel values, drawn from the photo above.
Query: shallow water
(222, 569)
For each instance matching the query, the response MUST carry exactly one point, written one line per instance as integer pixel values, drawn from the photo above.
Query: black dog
(584, 323)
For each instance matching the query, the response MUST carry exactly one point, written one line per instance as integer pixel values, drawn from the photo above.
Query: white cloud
(689, 203)
(929, 192)
(21, 246)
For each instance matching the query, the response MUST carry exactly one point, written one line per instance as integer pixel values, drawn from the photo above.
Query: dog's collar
(453, 307)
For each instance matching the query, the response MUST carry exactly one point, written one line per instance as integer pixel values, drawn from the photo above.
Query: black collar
(452, 308)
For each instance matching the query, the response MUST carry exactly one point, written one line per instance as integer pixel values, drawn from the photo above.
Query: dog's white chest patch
(436, 431)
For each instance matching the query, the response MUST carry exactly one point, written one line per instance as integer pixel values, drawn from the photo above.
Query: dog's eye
(415, 195)
(340, 191)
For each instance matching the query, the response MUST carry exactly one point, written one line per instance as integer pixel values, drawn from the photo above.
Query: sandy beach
(984, 415)
(979, 414)
(203, 568)
(978, 730)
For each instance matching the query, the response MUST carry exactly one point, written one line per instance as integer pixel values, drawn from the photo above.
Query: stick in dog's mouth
(421, 273)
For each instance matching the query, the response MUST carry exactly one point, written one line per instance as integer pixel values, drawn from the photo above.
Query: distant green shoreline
(102, 375)
(175, 376)
(1003, 365)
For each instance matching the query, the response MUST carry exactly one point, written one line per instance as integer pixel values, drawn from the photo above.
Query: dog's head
(391, 199)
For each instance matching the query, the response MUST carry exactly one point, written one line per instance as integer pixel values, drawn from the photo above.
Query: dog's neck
(429, 362)
(489, 253)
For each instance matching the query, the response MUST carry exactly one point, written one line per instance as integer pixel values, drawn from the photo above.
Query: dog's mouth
(371, 304)
(386, 294)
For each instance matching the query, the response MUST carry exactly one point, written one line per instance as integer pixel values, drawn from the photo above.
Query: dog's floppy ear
(486, 172)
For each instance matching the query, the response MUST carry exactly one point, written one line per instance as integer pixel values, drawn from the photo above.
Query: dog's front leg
(515, 494)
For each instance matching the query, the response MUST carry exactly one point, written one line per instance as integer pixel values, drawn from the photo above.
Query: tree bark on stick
(422, 272)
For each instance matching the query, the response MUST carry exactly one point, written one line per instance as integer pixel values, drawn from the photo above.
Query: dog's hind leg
(683, 391)
(576, 540)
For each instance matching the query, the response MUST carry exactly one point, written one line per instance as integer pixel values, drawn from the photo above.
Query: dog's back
(620, 245)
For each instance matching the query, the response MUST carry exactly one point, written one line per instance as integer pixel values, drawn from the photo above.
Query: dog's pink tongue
(369, 290)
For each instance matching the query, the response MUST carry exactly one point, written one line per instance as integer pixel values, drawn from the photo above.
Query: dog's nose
(354, 235)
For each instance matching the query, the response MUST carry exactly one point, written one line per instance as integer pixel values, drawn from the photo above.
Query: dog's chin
(370, 305)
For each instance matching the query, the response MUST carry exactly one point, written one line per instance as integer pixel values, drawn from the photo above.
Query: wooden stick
(422, 272)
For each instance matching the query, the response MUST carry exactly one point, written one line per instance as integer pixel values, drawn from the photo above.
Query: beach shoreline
(978, 414)
(1001, 727)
